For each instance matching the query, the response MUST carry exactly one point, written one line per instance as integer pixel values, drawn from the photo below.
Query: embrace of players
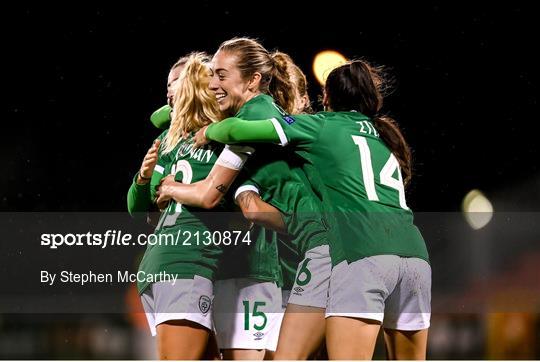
(328, 252)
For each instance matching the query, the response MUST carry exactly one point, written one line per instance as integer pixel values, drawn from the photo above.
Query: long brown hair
(297, 78)
(359, 86)
(253, 57)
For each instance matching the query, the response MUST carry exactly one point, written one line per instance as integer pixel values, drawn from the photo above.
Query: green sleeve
(138, 198)
(162, 117)
(236, 130)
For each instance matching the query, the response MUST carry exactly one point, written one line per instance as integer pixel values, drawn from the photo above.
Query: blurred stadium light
(324, 62)
(477, 209)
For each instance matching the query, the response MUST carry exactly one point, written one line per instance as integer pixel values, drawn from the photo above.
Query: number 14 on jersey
(385, 176)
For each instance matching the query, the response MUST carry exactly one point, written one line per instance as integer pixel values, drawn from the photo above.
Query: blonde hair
(253, 57)
(195, 105)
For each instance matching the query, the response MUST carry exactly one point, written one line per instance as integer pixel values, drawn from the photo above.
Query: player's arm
(206, 193)
(139, 197)
(161, 118)
(235, 130)
(259, 212)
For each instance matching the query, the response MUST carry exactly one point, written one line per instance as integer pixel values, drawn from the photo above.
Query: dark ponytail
(358, 86)
(393, 138)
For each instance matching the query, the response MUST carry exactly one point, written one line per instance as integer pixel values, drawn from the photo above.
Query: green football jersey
(256, 260)
(364, 187)
(282, 182)
(288, 260)
(183, 231)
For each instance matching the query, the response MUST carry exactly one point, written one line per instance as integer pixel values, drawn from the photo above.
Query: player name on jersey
(186, 150)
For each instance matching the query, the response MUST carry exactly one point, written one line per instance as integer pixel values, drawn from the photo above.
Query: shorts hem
(165, 317)
(408, 327)
(373, 316)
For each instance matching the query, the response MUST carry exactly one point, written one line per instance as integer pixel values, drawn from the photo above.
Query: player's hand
(148, 164)
(200, 138)
(164, 191)
(162, 205)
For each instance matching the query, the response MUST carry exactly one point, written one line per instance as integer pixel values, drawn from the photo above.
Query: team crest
(204, 304)
(258, 335)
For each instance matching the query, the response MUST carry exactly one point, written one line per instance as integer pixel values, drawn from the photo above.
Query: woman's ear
(255, 82)
(325, 101)
(305, 101)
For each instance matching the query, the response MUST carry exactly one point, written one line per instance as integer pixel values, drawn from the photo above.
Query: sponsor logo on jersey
(298, 290)
(258, 335)
(289, 119)
(204, 304)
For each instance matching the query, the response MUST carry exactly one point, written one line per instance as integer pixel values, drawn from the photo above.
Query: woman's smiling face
(231, 90)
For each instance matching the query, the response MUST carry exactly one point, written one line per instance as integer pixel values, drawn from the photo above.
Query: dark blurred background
(80, 82)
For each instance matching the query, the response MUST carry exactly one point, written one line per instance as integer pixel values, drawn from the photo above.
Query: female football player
(365, 163)
(244, 73)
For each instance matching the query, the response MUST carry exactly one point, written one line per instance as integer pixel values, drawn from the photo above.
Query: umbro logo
(258, 335)
(298, 290)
